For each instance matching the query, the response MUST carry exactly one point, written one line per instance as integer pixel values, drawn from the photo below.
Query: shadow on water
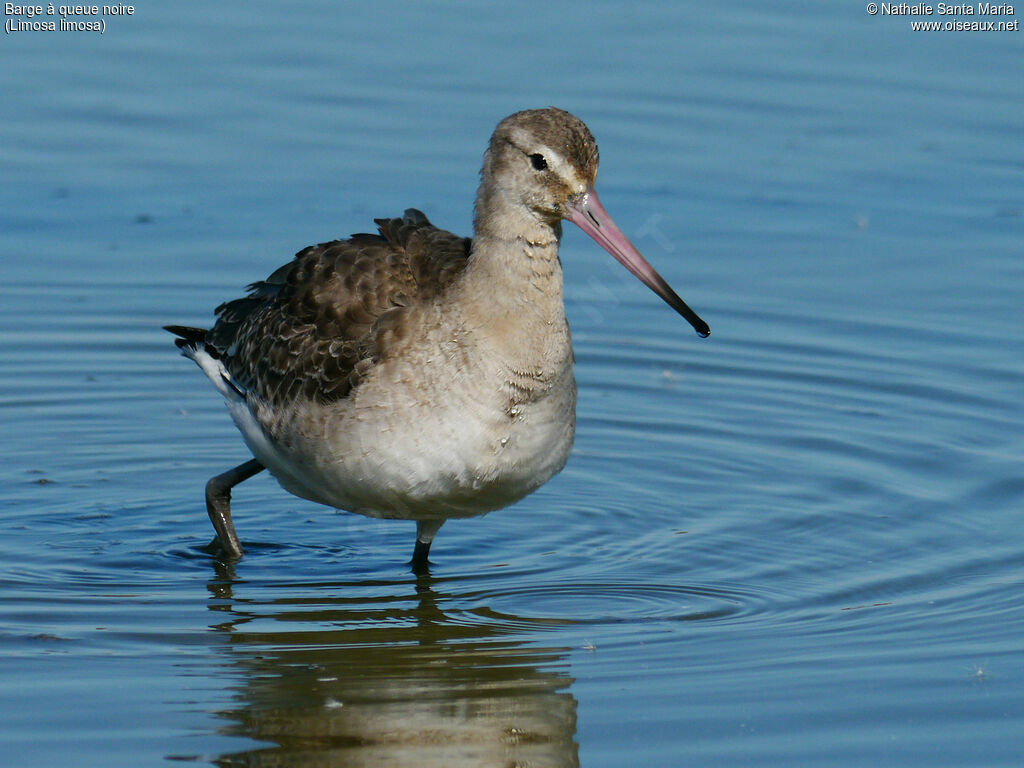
(373, 673)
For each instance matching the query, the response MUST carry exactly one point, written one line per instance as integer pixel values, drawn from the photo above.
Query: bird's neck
(514, 258)
(513, 281)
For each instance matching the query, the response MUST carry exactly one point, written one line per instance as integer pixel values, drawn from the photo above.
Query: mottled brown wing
(309, 329)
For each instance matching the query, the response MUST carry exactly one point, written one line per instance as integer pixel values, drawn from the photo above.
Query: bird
(412, 373)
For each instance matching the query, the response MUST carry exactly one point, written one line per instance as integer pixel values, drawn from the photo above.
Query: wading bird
(416, 374)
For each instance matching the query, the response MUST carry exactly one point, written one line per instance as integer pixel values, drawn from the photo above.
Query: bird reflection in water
(376, 674)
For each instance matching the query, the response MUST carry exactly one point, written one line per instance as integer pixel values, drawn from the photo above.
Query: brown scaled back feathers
(311, 328)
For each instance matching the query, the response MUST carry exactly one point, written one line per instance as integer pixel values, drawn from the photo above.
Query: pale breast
(440, 428)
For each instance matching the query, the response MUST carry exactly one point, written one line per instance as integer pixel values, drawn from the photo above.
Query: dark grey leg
(425, 531)
(218, 505)
(419, 562)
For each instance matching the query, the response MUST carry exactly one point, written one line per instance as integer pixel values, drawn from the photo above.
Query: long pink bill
(589, 215)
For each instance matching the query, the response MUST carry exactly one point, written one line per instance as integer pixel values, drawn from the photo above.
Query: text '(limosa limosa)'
(416, 374)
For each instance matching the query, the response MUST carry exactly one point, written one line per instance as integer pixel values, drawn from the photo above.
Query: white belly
(413, 443)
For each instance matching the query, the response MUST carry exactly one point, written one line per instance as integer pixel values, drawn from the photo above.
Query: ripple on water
(552, 606)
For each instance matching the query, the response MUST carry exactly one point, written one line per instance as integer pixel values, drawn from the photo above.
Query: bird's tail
(192, 343)
(189, 339)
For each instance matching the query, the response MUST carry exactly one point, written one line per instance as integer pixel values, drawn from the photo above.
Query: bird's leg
(218, 505)
(425, 532)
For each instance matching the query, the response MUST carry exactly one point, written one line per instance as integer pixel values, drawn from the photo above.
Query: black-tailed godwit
(416, 374)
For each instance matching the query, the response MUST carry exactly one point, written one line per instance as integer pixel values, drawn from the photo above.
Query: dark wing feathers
(310, 327)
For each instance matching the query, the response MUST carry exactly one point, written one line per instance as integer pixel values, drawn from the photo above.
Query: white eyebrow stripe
(556, 162)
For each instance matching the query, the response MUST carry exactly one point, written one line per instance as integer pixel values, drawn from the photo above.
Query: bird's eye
(539, 163)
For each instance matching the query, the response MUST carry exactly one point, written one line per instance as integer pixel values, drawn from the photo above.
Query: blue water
(797, 542)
